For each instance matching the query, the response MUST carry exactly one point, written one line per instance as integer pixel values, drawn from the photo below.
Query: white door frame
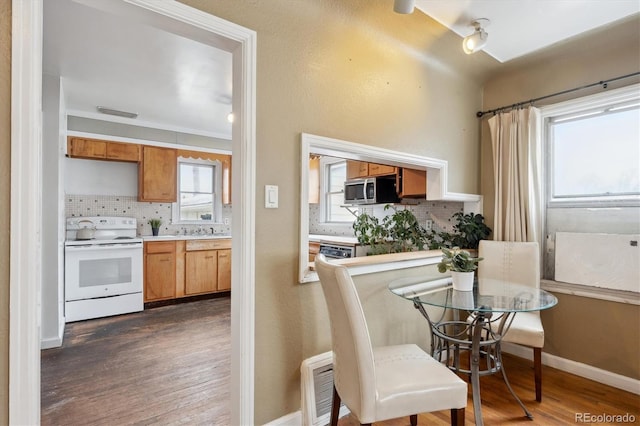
(26, 188)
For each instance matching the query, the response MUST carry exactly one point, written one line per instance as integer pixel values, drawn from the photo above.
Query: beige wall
(5, 160)
(580, 329)
(351, 70)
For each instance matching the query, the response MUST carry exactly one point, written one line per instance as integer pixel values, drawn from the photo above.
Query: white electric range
(103, 274)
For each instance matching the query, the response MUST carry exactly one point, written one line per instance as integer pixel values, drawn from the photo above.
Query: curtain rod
(603, 83)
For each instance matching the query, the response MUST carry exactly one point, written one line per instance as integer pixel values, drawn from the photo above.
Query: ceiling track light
(116, 112)
(476, 41)
(404, 6)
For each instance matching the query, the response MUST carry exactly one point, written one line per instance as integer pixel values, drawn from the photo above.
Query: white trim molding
(579, 369)
(436, 181)
(26, 143)
(26, 183)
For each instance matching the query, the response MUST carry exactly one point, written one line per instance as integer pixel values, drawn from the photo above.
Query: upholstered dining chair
(517, 262)
(385, 382)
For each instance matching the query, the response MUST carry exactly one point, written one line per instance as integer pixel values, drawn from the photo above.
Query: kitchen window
(199, 192)
(333, 173)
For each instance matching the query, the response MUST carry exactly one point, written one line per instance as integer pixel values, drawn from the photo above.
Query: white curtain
(515, 140)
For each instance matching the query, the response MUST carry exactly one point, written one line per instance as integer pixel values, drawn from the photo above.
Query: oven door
(93, 271)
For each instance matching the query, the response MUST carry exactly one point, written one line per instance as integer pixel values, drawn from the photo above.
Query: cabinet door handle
(208, 257)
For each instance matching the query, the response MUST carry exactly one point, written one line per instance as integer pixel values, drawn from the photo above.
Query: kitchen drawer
(160, 247)
(216, 244)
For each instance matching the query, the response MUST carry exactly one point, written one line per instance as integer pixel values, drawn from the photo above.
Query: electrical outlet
(226, 220)
(428, 225)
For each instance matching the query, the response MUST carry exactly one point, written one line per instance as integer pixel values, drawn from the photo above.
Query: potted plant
(461, 265)
(155, 226)
(398, 232)
(467, 233)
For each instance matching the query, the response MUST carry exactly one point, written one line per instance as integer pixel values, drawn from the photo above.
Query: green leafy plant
(467, 232)
(155, 223)
(398, 232)
(457, 260)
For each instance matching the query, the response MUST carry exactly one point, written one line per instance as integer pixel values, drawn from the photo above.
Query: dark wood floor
(167, 365)
(170, 365)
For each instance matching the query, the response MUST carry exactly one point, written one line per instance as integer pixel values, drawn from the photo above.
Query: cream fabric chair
(381, 383)
(518, 262)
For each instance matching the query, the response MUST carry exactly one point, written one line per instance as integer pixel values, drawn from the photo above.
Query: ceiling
(175, 83)
(172, 82)
(519, 27)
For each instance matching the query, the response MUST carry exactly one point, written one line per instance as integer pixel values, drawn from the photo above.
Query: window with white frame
(592, 186)
(333, 173)
(199, 185)
(595, 154)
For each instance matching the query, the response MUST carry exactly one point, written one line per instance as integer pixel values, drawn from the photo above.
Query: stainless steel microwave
(373, 190)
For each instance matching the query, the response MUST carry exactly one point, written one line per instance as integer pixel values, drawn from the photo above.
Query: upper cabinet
(314, 179)
(361, 169)
(102, 150)
(357, 169)
(157, 166)
(412, 183)
(157, 174)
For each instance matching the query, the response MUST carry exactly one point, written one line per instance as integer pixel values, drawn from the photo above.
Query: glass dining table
(472, 323)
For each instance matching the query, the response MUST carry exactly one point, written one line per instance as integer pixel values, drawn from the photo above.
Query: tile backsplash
(115, 205)
(440, 212)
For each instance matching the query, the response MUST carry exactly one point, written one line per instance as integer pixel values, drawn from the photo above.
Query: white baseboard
(291, 419)
(54, 342)
(579, 369)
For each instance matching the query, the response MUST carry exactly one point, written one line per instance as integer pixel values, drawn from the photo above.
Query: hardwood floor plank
(563, 396)
(171, 365)
(168, 365)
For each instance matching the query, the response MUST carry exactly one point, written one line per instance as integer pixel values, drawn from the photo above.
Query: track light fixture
(403, 6)
(476, 41)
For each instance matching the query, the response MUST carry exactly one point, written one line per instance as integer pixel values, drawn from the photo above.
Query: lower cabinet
(201, 272)
(175, 269)
(159, 270)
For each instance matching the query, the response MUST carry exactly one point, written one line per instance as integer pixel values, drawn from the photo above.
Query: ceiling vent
(116, 112)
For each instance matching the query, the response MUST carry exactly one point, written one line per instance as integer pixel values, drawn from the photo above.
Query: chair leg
(457, 417)
(414, 419)
(335, 407)
(537, 371)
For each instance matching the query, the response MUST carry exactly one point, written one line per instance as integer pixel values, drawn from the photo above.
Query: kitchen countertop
(333, 239)
(185, 237)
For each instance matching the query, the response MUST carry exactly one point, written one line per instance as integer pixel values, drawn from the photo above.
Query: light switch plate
(271, 196)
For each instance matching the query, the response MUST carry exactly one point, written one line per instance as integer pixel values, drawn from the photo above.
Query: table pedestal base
(480, 338)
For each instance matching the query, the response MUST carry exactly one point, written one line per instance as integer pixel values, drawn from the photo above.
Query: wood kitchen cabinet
(314, 179)
(357, 169)
(224, 270)
(201, 272)
(96, 149)
(413, 183)
(381, 169)
(314, 249)
(207, 266)
(176, 269)
(157, 175)
(159, 270)
(361, 169)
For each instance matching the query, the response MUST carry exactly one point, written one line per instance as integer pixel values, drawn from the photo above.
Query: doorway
(26, 205)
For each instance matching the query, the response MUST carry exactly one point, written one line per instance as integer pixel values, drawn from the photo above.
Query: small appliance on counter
(103, 267)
